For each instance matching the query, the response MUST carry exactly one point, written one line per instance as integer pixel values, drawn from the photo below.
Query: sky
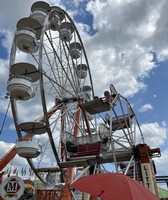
(126, 44)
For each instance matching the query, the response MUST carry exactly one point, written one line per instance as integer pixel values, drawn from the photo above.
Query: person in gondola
(71, 147)
(107, 97)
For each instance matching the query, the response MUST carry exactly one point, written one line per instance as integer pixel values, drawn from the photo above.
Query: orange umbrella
(110, 186)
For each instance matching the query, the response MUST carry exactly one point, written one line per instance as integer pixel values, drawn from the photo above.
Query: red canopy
(110, 186)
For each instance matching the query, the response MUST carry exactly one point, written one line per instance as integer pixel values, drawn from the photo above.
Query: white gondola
(26, 41)
(86, 92)
(40, 10)
(37, 128)
(88, 146)
(82, 71)
(27, 34)
(20, 87)
(28, 149)
(55, 18)
(66, 30)
(75, 50)
(54, 22)
(26, 70)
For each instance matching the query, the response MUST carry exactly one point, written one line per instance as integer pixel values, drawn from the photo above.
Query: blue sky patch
(82, 15)
(3, 50)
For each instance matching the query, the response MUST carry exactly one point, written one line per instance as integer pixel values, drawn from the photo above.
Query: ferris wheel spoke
(56, 84)
(62, 66)
(71, 68)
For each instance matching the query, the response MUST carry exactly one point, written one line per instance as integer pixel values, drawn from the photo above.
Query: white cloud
(11, 12)
(156, 137)
(4, 72)
(4, 147)
(12, 127)
(162, 163)
(155, 134)
(3, 104)
(118, 47)
(145, 107)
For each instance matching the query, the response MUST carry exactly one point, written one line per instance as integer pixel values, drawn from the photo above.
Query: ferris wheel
(49, 71)
(54, 108)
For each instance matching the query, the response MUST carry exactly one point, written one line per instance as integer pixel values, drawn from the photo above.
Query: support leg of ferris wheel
(112, 141)
(66, 195)
(128, 166)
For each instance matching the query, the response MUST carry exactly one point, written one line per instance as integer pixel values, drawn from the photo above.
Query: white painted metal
(20, 88)
(26, 41)
(28, 149)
